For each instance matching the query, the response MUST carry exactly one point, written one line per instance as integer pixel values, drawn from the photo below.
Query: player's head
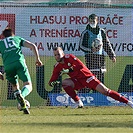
(7, 32)
(93, 20)
(58, 53)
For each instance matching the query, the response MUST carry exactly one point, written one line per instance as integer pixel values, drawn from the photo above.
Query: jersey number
(9, 43)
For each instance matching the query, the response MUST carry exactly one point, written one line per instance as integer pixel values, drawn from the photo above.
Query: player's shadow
(96, 124)
(128, 124)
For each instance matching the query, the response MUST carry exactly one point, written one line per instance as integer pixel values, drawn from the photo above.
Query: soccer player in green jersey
(15, 66)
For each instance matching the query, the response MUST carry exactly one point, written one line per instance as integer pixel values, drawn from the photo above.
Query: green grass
(45, 119)
(68, 120)
(112, 77)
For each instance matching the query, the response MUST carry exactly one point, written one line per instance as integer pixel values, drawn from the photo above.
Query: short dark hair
(93, 16)
(7, 32)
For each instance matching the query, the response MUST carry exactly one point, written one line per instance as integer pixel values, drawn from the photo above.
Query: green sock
(26, 90)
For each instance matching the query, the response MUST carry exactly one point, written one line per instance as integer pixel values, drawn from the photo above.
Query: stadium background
(114, 72)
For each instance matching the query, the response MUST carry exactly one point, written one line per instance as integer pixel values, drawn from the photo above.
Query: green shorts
(17, 70)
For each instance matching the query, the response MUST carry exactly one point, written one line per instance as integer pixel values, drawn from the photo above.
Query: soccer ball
(96, 45)
(27, 105)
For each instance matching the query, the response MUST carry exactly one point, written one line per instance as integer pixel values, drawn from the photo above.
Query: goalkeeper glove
(65, 71)
(52, 84)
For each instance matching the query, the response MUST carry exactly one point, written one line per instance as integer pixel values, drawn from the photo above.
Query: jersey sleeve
(76, 63)
(107, 45)
(22, 40)
(83, 43)
(55, 73)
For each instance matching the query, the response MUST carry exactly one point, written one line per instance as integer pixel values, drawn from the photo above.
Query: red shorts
(90, 82)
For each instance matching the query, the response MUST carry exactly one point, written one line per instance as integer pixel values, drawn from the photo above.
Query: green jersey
(11, 51)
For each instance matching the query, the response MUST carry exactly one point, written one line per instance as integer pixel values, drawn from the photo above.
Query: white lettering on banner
(64, 99)
(131, 98)
(112, 100)
(94, 99)
(89, 99)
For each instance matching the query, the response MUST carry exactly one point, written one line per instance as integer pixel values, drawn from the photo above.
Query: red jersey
(80, 71)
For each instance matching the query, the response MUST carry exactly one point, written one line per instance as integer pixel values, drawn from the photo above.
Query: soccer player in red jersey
(80, 77)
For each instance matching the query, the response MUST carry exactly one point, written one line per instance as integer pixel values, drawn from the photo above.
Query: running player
(15, 66)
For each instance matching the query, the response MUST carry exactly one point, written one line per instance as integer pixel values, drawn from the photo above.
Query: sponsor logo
(95, 99)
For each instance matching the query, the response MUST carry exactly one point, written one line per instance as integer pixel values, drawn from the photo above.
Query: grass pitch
(67, 120)
(45, 119)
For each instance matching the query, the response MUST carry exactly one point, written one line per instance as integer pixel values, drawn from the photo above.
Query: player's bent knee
(102, 89)
(67, 82)
(29, 87)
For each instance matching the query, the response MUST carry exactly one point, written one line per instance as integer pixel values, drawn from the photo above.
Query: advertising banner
(55, 26)
(88, 99)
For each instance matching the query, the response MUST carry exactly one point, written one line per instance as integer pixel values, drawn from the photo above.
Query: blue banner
(88, 99)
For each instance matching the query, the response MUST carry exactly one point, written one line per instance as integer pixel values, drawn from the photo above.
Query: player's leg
(113, 94)
(87, 62)
(94, 83)
(69, 87)
(20, 98)
(11, 75)
(27, 88)
(24, 75)
(12, 78)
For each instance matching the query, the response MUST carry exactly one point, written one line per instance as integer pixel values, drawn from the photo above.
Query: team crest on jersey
(69, 64)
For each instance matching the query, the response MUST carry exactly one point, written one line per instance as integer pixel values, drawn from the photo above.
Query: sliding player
(80, 77)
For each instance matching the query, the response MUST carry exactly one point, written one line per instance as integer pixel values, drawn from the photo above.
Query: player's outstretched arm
(33, 47)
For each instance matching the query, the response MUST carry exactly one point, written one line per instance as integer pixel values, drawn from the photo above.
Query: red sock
(71, 92)
(115, 95)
